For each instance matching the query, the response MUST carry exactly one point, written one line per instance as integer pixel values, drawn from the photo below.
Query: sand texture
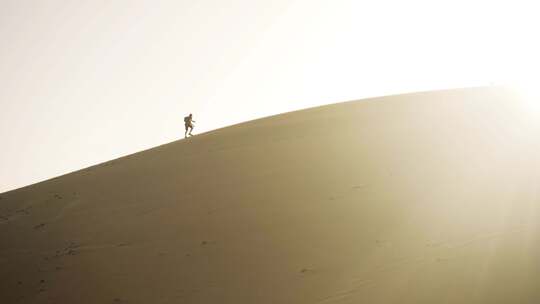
(419, 198)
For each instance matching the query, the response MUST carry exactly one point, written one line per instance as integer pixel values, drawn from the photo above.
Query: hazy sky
(83, 82)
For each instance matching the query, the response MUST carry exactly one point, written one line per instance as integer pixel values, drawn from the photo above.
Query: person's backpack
(186, 119)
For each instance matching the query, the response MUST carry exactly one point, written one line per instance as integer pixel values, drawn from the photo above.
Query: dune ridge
(420, 198)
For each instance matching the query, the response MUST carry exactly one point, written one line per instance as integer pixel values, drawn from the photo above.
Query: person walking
(188, 122)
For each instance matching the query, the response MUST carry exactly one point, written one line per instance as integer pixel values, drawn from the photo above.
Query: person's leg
(190, 129)
(185, 134)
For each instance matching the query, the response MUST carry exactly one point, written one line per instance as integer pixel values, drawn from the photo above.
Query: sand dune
(419, 198)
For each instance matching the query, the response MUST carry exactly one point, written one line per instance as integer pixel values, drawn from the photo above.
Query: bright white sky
(83, 82)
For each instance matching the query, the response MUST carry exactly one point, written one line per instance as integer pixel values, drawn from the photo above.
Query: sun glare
(529, 93)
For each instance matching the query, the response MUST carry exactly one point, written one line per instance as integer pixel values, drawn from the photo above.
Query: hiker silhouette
(188, 122)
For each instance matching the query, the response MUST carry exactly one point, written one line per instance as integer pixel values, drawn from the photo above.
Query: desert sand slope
(419, 198)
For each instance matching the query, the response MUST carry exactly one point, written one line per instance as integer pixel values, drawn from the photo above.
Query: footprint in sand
(42, 289)
(306, 271)
(23, 211)
(37, 227)
(71, 249)
(206, 243)
(335, 197)
(358, 186)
